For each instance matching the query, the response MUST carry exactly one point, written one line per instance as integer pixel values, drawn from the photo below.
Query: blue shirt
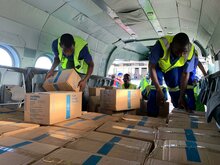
(84, 53)
(157, 53)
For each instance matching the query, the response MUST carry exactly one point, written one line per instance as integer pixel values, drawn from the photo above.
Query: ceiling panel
(170, 24)
(203, 36)
(48, 6)
(123, 5)
(184, 2)
(211, 8)
(188, 13)
(92, 42)
(118, 32)
(207, 23)
(144, 30)
(215, 40)
(133, 17)
(104, 36)
(107, 23)
(61, 27)
(196, 4)
(165, 8)
(73, 17)
(17, 11)
(86, 7)
(45, 42)
(190, 25)
(17, 34)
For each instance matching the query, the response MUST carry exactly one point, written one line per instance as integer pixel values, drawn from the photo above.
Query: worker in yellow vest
(73, 53)
(145, 86)
(168, 55)
(127, 82)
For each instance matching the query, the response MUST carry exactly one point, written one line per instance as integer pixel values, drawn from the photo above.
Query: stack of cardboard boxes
(188, 139)
(62, 101)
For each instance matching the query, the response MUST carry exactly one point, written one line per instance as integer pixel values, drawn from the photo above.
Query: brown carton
(120, 99)
(143, 121)
(78, 124)
(193, 123)
(94, 103)
(50, 135)
(151, 161)
(18, 151)
(188, 135)
(95, 91)
(65, 80)
(113, 146)
(127, 130)
(69, 156)
(98, 118)
(188, 152)
(10, 128)
(52, 107)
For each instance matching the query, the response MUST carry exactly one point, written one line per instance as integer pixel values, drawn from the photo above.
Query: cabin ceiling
(108, 21)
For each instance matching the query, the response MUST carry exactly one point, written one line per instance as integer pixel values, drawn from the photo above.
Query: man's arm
(202, 68)
(154, 57)
(56, 60)
(90, 70)
(85, 54)
(188, 67)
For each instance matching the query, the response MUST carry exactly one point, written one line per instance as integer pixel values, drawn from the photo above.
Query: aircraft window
(8, 56)
(43, 62)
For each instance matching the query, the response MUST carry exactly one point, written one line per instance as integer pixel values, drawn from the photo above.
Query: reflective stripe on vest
(164, 62)
(80, 65)
(131, 86)
(174, 89)
(190, 87)
(152, 87)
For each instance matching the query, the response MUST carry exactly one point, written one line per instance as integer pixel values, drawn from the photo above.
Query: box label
(129, 99)
(67, 106)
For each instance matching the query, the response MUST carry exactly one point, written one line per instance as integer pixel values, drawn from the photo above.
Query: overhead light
(169, 32)
(149, 11)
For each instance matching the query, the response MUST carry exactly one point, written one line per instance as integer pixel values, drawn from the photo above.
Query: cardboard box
(94, 103)
(151, 161)
(144, 121)
(95, 91)
(182, 111)
(64, 80)
(69, 156)
(188, 135)
(120, 99)
(98, 118)
(52, 107)
(109, 87)
(78, 124)
(119, 113)
(50, 135)
(188, 152)
(192, 123)
(8, 128)
(123, 129)
(17, 151)
(113, 146)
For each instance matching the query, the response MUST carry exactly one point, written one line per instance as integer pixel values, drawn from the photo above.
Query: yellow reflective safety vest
(131, 86)
(80, 65)
(165, 63)
(143, 84)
